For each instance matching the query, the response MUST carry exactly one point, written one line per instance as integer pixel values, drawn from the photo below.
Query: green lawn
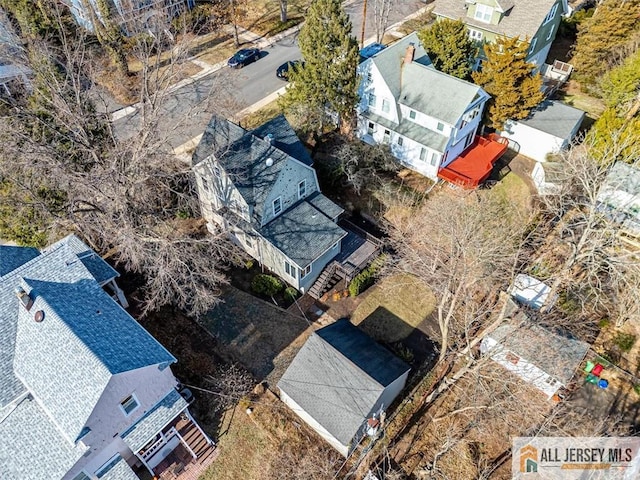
(394, 308)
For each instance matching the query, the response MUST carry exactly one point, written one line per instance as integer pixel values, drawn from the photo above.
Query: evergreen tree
(327, 82)
(510, 81)
(451, 50)
(603, 38)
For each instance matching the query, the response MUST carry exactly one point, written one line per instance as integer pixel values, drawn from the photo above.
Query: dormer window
(302, 189)
(483, 13)
(551, 15)
(129, 405)
(277, 206)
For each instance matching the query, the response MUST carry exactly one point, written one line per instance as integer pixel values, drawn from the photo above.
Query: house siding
(318, 265)
(220, 192)
(107, 421)
(531, 142)
(541, 42)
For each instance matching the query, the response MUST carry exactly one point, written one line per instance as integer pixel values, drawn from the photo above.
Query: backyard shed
(550, 128)
(340, 379)
(530, 291)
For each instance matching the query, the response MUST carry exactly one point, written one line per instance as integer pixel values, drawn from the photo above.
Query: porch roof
(475, 164)
(434, 140)
(118, 469)
(139, 434)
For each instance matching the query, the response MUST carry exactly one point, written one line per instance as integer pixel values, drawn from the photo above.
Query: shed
(550, 128)
(338, 380)
(530, 291)
(548, 177)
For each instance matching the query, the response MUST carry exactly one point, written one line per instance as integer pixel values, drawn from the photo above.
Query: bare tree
(381, 10)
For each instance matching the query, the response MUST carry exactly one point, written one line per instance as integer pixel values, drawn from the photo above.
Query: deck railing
(361, 232)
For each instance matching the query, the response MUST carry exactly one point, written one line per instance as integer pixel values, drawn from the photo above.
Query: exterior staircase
(197, 442)
(323, 283)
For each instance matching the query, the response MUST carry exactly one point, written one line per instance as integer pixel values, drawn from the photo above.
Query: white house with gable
(427, 117)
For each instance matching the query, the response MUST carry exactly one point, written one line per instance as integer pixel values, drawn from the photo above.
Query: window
(475, 35)
(369, 77)
(82, 476)
(533, 45)
(103, 470)
(335, 245)
(277, 206)
(553, 27)
(372, 100)
(483, 13)
(247, 241)
(400, 140)
(129, 404)
(551, 15)
(385, 106)
(423, 153)
(305, 271)
(412, 114)
(440, 127)
(511, 358)
(387, 136)
(290, 269)
(216, 171)
(434, 159)
(371, 127)
(302, 189)
(205, 184)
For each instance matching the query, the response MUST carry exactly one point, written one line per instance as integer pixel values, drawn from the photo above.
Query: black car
(244, 57)
(283, 70)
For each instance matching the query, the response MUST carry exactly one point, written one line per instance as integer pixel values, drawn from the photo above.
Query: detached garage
(549, 129)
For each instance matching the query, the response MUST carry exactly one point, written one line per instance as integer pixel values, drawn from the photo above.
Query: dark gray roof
(244, 156)
(32, 447)
(557, 354)
(326, 206)
(555, 118)
(154, 420)
(302, 233)
(523, 19)
(118, 469)
(13, 257)
(390, 59)
(338, 376)
(412, 130)
(101, 270)
(284, 138)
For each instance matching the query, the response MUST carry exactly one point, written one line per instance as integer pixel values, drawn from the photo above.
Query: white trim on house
(128, 399)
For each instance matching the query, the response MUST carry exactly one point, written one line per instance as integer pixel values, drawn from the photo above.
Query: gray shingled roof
(101, 270)
(154, 420)
(13, 257)
(302, 233)
(554, 118)
(338, 376)
(326, 206)
(412, 130)
(390, 59)
(557, 354)
(523, 19)
(118, 469)
(32, 447)
(284, 138)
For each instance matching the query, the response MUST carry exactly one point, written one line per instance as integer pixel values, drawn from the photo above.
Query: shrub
(291, 293)
(624, 341)
(249, 264)
(266, 285)
(636, 388)
(604, 322)
(366, 278)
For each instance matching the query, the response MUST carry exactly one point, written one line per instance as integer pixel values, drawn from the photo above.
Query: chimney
(408, 56)
(25, 299)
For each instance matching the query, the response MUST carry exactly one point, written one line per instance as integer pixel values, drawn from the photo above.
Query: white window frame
(386, 106)
(371, 101)
(247, 240)
(205, 184)
(305, 271)
(433, 161)
(101, 471)
(371, 128)
(482, 12)
(400, 140)
(216, 171)
(423, 153)
(476, 35)
(552, 14)
(135, 399)
(533, 45)
(302, 189)
(553, 28)
(412, 114)
(290, 269)
(277, 201)
(440, 127)
(386, 136)
(85, 476)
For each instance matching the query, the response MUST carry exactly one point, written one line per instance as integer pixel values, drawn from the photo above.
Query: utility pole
(364, 22)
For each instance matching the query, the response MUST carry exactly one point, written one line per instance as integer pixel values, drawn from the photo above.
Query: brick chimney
(408, 56)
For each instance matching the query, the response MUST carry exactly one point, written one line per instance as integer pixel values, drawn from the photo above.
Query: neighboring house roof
(12, 257)
(284, 138)
(557, 354)
(555, 118)
(101, 270)
(619, 195)
(505, 5)
(118, 469)
(154, 420)
(303, 233)
(64, 361)
(338, 376)
(523, 19)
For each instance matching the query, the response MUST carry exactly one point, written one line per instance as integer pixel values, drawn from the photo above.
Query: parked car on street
(283, 70)
(244, 57)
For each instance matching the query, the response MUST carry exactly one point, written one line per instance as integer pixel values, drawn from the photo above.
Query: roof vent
(269, 138)
(25, 299)
(269, 161)
(39, 316)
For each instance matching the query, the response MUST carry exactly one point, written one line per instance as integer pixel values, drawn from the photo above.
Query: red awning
(475, 164)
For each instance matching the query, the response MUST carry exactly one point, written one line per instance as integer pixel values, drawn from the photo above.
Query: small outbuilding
(550, 128)
(340, 383)
(531, 292)
(548, 177)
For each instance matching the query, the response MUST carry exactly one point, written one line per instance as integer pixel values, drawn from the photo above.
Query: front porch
(358, 249)
(474, 165)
